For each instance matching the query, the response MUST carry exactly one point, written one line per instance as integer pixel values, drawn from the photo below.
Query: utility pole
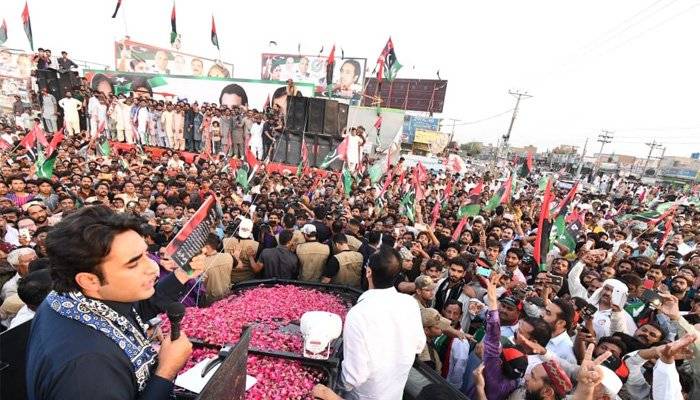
(652, 146)
(583, 155)
(658, 163)
(604, 138)
(519, 96)
(452, 132)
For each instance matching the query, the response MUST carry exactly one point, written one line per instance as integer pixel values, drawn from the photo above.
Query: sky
(627, 66)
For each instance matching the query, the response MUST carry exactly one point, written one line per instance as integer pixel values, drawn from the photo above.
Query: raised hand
(590, 373)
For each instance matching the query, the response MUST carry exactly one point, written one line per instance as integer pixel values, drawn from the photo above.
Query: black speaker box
(293, 149)
(323, 147)
(296, 114)
(315, 115)
(279, 154)
(330, 122)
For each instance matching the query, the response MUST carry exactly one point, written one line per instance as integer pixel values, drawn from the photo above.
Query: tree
(564, 149)
(472, 148)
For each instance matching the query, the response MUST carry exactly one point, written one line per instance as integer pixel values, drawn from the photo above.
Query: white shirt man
(383, 333)
(563, 347)
(70, 108)
(605, 320)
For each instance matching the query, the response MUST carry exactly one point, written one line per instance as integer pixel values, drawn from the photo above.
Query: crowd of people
(611, 316)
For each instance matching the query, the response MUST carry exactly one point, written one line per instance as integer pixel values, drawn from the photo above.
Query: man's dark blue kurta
(69, 360)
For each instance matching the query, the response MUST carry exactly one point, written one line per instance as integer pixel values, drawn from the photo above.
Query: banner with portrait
(230, 92)
(348, 72)
(15, 78)
(131, 56)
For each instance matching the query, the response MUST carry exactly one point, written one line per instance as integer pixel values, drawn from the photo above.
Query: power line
(606, 36)
(486, 119)
(672, 17)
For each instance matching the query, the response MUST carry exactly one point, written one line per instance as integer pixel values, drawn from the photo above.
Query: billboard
(412, 122)
(231, 92)
(15, 71)
(426, 95)
(432, 141)
(348, 73)
(130, 56)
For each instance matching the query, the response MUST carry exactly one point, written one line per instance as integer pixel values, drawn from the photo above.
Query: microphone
(175, 312)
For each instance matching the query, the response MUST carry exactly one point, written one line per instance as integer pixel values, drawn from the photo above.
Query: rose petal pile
(277, 378)
(266, 309)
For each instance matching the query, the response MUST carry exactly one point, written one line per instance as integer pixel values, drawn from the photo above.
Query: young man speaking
(88, 338)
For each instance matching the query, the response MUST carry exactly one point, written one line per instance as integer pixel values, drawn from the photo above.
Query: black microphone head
(175, 311)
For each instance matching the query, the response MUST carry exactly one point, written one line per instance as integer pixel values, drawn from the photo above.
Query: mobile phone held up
(485, 272)
(652, 298)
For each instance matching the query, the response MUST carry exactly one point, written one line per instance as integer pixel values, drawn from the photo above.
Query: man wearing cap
(433, 326)
(312, 255)
(345, 266)
(509, 308)
(238, 246)
(425, 291)
(36, 210)
(501, 375)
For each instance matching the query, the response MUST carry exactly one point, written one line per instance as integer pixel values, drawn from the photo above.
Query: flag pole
(126, 27)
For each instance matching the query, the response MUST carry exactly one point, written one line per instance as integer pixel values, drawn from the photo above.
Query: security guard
(312, 255)
(345, 267)
(238, 246)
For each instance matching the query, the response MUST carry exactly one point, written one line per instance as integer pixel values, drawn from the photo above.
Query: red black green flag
(3, 32)
(173, 26)
(563, 207)
(214, 37)
(502, 195)
(388, 65)
(526, 167)
(330, 64)
(27, 25)
(116, 9)
(544, 227)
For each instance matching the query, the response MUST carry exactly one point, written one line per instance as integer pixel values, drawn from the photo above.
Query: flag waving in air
(388, 65)
(544, 227)
(27, 23)
(3, 32)
(116, 9)
(330, 64)
(563, 207)
(214, 37)
(250, 157)
(173, 25)
(340, 153)
(501, 196)
(527, 166)
(55, 141)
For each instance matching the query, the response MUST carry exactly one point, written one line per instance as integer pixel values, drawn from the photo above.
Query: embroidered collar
(99, 316)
